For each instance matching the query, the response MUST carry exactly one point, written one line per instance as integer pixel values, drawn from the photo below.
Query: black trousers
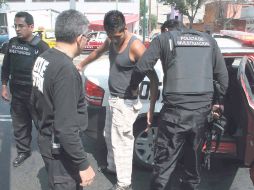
(180, 132)
(61, 174)
(22, 123)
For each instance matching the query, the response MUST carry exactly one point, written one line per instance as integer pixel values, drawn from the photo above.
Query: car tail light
(94, 93)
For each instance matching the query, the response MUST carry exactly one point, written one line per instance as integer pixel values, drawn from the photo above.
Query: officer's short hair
(69, 25)
(114, 21)
(28, 17)
(170, 25)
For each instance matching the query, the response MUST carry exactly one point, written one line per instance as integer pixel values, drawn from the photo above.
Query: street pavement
(225, 174)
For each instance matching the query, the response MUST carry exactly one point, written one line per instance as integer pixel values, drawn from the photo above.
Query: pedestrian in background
(191, 60)
(124, 52)
(59, 101)
(17, 67)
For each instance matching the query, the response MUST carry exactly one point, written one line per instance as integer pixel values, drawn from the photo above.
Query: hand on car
(217, 111)
(87, 176)
(5, 93)
(149, 121)
(79, 67)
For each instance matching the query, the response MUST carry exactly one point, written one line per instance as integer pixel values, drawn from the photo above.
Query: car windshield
(102, 36)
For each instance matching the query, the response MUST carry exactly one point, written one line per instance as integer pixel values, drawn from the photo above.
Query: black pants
(61, 174)
(22, 123)
(180, 132)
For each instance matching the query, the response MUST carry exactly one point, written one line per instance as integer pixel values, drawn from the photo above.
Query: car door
(246, 79)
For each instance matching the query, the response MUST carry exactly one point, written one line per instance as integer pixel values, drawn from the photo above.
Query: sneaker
(117, 187)
(20, 158)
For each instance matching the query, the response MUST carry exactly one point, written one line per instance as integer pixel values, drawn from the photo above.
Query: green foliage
(187, 7)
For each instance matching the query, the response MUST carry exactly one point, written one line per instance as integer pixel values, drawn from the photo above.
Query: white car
(239, 133)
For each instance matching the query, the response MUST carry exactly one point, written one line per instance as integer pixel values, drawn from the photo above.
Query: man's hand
(149, 120)
(5, 93)
(217, 111)
(134, 92)
(79, 67)
(87, 176)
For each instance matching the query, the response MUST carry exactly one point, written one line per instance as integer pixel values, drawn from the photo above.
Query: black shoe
(117, 187)
(105, 170)
(20, 159)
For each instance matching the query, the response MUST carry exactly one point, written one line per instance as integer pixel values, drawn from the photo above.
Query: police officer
(191, 60)
(17, 65)
(59, 102)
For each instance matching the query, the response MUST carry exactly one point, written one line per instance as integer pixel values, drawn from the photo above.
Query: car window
(49, 34)
(102, 36)
(92, 35)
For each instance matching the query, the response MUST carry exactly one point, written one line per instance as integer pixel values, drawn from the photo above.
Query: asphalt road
(225, 174)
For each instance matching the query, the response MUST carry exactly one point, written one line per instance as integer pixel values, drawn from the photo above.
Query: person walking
(17, 67)
(191, 60)
(124, 52)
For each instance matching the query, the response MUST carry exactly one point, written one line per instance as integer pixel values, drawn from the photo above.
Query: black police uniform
(59, 101)
(17, 67)
(190, 60)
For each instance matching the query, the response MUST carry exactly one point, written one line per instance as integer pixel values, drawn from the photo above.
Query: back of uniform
(191, 60)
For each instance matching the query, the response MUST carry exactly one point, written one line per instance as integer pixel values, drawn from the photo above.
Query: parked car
(238, 139)
(96, 38)
(4, 38)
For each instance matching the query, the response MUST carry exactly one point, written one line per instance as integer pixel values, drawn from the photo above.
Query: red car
(96, 38)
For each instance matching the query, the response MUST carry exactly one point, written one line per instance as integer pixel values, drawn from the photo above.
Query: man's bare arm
(94, 55)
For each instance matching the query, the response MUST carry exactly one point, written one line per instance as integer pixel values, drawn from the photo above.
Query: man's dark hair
(69, 25)
(114, 21)
(28, 17)
(170, 25)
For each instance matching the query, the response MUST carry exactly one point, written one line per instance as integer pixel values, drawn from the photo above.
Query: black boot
(20, 158)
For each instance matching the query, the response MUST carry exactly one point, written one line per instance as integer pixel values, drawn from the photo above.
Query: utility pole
(149, 18)
(73, 4)
(144, 22)
(116, 4)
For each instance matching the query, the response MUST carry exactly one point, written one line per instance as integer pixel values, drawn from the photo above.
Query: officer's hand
(87, 176)
(149, 120)
(5, 93)
(217, 111)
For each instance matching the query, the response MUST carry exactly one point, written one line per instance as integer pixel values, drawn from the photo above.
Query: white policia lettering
(192, 41)
(19, 50)
(38, 73)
